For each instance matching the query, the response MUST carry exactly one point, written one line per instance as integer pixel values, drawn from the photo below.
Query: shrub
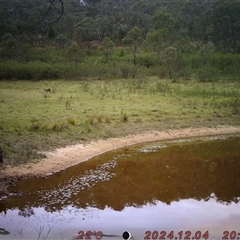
(30, 71)
(127, 70)
(147, 60)
(208, 74)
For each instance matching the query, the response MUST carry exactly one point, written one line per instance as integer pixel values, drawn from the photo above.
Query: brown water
(179, 185)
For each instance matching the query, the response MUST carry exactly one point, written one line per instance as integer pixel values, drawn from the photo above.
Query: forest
(105, 39)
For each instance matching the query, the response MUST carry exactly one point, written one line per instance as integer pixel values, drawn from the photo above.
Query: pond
(173, 189)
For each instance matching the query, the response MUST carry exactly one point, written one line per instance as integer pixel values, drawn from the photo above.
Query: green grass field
(33, 120)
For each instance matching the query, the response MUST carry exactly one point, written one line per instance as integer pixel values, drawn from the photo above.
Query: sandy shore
(71, 155)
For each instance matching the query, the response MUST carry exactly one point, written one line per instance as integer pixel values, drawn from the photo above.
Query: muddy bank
(8, 181)
(62, 158)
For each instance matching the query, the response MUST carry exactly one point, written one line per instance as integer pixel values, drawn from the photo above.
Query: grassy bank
(33, 120)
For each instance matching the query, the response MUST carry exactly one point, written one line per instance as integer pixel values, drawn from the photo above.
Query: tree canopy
(90, 20)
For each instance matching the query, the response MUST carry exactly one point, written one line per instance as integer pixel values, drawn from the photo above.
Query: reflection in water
(3, 231)
(171, 178)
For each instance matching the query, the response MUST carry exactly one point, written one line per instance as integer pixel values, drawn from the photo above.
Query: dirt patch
(72, 155)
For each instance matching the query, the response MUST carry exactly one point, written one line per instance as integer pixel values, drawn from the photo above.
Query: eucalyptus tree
(107, 48)
(61, 40)
(75, 53)
(145, 7)
(134, 39)
(116, 15)
(86, 31)
(224, 29)
(73, 13)
(170, 61)
(102, 27)
(159, 35)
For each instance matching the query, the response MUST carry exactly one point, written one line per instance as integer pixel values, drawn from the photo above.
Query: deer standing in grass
(48, 90)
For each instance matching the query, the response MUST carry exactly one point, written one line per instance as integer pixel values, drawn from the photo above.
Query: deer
(48, 90)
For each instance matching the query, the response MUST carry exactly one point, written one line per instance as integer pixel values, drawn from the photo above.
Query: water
(188, 186)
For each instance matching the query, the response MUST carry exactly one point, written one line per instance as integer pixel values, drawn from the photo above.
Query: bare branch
(52, 5)
(62, 11)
